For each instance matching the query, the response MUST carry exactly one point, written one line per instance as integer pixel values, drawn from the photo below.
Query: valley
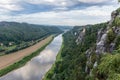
(60, 40)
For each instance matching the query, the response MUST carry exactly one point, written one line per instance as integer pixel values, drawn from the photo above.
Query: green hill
(17, 32)
(15, 36)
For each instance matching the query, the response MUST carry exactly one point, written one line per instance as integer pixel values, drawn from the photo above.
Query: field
(9, 59)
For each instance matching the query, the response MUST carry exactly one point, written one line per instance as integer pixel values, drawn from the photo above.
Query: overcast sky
(57, 12)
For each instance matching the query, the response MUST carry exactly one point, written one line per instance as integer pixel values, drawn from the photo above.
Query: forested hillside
(15, 36)
(16, 32)
(90, 52)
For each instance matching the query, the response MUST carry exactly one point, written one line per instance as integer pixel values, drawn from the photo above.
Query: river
(39, 65)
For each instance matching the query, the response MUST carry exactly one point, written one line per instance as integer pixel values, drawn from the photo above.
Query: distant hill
(65, 27)
(18, 32)
(62, 27)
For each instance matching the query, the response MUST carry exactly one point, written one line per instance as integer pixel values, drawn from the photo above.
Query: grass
(58, 58)
(23, 61)
(8, 48)
(11, 47)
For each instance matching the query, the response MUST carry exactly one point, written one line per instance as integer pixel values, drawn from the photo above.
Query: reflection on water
(38, 66)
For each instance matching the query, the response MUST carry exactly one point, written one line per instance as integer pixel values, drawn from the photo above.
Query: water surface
(38, 66)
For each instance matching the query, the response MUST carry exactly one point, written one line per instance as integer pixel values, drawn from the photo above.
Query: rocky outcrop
(81, 36)
(100, 46)
(103, 44)
(113, 15)
(88, 63)
(102, 40)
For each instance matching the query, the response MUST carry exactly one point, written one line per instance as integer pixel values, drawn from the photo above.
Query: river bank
(20, 58)
(58, 58)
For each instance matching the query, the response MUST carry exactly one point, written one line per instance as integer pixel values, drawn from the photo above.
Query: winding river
(38, 66)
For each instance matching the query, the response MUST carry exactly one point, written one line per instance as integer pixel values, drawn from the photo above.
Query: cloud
(16, 7)
(33, 6)
(89, 15)
(57, 12)
(10, 5)
(93, 1)
(68, 2)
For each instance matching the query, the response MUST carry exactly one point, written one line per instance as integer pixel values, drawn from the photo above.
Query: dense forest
(15, 36)
(16, 32)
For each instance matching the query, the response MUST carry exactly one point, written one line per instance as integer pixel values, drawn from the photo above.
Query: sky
(57, 12)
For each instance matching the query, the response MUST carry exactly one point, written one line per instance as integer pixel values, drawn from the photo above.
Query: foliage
(116, 22)
(22, 35)
(110, 36)
(109, 68)
(117, 42)
(118, 10)
(19, 32)
(21, 46)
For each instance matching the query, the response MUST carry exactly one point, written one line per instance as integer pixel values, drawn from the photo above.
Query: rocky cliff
(107, 41)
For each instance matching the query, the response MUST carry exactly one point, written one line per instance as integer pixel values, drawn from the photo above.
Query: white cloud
(93, 1)
(90, 15)
(6, 1)
(10, 5)
(67, 2)
(61, 3)
(14, 5)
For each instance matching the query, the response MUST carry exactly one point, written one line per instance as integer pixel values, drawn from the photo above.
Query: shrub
(116, 22)
(117, 41)
(109, 68)
(110, 36)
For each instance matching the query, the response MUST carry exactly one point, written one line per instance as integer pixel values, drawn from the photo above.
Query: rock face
(113, 15)
(111, 48)
(88, 55)
(81, 36)
(102, 40)
(103, 44)
(99, 34)
(100, 46)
